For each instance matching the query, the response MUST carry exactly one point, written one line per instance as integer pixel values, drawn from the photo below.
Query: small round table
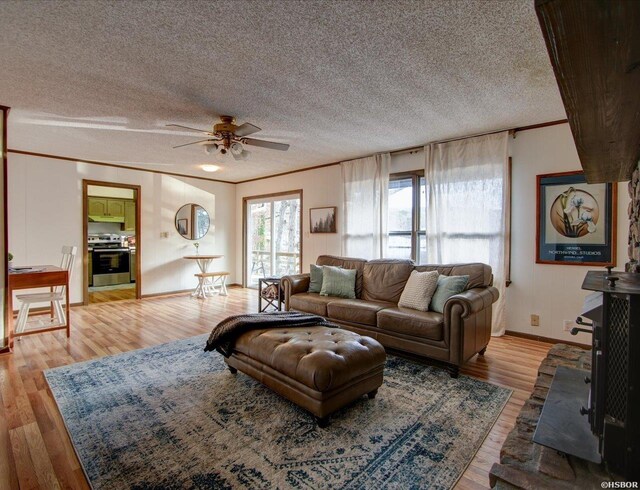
(203, 261)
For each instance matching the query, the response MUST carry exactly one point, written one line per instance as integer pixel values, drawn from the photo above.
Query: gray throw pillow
(419, 289)
(338, 282)
(315, 283)
(447, 287)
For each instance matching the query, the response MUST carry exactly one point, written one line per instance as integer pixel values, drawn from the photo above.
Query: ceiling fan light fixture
(210, 168)
(209, 147)
(236, 149)
(243, 155)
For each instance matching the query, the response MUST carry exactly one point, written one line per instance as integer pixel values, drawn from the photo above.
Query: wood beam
(594, 46)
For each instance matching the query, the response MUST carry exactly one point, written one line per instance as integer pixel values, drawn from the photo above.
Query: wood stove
(613, 407)
(596, 415)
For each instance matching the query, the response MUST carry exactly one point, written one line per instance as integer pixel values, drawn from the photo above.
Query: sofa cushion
(356, 310)
(310, 303)
(345, 263)
(479, 274)
(447, 287)
(384, 279)
(419, 289)
(315, 278)
(338, 282)
(423, 324)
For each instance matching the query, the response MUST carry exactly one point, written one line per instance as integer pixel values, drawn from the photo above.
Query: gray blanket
(225, 333)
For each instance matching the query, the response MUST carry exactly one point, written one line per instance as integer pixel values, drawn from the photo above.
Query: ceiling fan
(227, 138)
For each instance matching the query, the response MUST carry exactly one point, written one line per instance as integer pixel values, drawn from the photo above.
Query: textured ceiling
(335, 80)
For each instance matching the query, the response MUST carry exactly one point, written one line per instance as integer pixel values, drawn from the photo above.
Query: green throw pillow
(447, 287)
(338, 282)
(315, 284)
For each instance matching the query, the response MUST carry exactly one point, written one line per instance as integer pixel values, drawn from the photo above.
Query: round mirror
(192, 221)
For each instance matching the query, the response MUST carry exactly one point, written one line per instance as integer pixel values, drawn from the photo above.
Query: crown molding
(254, 179)
(113, 165)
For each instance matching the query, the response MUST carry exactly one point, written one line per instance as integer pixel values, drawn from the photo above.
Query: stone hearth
(525, 464)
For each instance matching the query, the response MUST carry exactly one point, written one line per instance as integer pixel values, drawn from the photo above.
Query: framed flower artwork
(576, 221)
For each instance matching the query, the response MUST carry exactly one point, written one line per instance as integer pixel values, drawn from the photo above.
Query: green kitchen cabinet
(129, 215)
(115, 207)
(102, 207)
(97, 206)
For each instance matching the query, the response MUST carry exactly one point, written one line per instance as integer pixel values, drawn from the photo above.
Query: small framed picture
(323, 220)
(576, 221)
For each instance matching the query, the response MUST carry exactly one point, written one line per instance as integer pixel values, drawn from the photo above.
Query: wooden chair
(212, 283)
(257, 265)
(56, 296)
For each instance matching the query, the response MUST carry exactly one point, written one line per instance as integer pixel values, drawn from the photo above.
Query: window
(407, 223)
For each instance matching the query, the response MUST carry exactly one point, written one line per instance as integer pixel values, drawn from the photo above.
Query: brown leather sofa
(451, 338)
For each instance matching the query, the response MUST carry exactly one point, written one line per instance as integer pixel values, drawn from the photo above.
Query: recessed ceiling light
(210, 168)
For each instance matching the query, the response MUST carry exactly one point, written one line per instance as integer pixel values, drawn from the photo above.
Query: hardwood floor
(35, 451)
(106, 295)
(511, 362)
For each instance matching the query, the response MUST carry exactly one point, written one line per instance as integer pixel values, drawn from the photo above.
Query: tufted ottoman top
(321, 358)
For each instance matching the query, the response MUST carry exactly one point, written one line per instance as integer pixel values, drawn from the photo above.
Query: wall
(550, 291)
(45, 213)
(320, 187)
(38, 231)
(117, 192)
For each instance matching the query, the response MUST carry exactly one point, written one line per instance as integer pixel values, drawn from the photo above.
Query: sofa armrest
(472, 300)
(467, 318)
(295, 284)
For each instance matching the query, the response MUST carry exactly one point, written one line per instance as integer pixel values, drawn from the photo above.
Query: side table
(266, 287)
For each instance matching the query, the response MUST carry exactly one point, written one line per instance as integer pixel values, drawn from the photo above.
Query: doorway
(272, 236)
(111, 230)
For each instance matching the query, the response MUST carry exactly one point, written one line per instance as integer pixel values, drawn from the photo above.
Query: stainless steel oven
(110, 266)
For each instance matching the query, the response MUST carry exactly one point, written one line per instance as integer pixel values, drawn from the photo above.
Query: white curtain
(364, 233)
(467, 207)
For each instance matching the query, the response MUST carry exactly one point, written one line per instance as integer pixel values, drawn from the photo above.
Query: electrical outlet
(535, 320)
(568, 325)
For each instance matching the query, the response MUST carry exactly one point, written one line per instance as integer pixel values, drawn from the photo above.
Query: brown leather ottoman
(320, 369)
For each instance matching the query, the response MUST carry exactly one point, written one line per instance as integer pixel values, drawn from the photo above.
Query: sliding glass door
(272, 236)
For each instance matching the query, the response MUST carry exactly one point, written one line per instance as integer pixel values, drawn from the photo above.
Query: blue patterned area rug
(173, 416)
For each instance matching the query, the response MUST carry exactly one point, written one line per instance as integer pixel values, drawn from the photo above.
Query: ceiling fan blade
(187, 127)
(194, 143)
(246, 129)
(271, 145)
